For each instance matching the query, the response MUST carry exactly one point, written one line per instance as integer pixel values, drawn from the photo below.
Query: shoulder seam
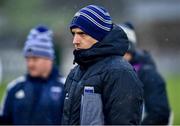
(15, 82)
(62, 80)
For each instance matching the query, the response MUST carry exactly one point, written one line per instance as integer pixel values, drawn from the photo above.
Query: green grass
(173, 89)
(2, 90)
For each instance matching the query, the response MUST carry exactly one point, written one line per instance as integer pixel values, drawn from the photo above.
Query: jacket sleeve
(6, 109)
(123, 96)
(156, 102)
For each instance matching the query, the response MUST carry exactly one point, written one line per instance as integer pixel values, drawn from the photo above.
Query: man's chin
(34, 74)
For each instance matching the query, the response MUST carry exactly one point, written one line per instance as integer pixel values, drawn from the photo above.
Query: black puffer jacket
(156, 105)
(103, 88)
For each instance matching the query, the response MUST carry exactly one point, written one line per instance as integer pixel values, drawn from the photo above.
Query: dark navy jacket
(103, 88)
(34, 100)
(156, 105)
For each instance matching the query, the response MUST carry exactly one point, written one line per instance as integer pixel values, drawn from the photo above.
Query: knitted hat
(131, 35)
(39, 43)
(93, 20)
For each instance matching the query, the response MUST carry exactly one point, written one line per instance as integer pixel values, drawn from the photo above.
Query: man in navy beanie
(103, 89)
(38, 96)
(156, 105)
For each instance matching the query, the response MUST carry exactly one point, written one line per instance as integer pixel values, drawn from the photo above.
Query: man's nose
(76, 39)
(29, 62)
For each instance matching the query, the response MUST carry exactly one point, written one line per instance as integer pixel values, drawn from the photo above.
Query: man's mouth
(76, 48)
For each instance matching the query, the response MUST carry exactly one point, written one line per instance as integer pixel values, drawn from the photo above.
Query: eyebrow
(79, 32)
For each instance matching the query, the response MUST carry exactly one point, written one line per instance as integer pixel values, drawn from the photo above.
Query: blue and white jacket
(31, 100)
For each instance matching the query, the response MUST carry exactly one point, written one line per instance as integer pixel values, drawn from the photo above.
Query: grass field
(2, 90)
(173, 88)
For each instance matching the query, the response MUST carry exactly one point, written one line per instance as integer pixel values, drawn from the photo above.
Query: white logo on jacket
(20, 94)
(55, 92)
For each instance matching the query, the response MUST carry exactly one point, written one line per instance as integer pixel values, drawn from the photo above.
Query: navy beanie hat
(39, 43)
(93, 20)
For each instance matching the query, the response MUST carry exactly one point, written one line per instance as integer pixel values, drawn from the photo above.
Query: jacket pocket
(91, 109)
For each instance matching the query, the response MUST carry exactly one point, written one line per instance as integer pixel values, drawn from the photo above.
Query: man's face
(81, 40)
(128, 56)
(38, 66)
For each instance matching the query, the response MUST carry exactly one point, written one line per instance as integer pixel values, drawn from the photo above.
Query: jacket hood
(115, 43)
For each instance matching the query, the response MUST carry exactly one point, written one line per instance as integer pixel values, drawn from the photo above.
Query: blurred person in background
(156, 103)
(101, 89)
(38, 96)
